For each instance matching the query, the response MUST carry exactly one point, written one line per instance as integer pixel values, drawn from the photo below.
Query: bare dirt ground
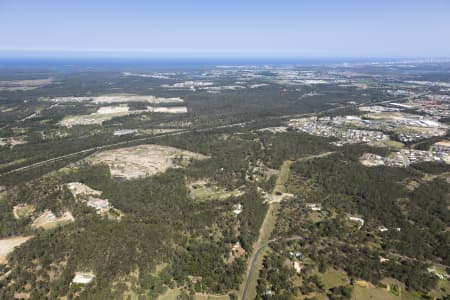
(371, 160)
(8, 245)
(143, 160)
(48, 220)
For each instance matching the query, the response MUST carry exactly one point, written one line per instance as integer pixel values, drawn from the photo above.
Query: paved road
(255, 257)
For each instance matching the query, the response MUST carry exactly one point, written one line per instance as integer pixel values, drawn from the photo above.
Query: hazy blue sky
(313, 28)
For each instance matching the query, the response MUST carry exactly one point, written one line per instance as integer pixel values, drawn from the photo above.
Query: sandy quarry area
(8, 245)
(112, 109)
(143, 160)
(119, 98)
(106, 113)
(103, 114)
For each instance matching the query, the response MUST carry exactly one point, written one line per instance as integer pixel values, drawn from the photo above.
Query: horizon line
(171, 54)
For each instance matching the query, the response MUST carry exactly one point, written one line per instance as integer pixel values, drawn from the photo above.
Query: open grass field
(203, 192)
(368, 293)
(333, 278)
(283, 177)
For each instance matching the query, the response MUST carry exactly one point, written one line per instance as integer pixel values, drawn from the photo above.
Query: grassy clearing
(23, 211)
(170, 294)
(442, 289)
(159, 268)
(285, 171)
(316, 216)
(394, 144)
(366, 293)
(210, 297)
(203, 192)
(333, 278)
(269, 223)
(12, 163)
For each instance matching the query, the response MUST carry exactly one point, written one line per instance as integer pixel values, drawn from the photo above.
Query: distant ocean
(165, 63)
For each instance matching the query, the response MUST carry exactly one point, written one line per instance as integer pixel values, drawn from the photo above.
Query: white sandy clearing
(112, 109)
(116, 98)
(106, 113)
(80, 189)
(8, 245)
(143, 160)
(119, 98)
(83, 277)
(168, 110)
(12, 141)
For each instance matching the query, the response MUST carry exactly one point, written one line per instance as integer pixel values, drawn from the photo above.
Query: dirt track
(8, 245)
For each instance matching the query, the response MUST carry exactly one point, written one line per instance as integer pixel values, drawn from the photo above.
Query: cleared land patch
(91, 198)
(79, 189)
(168, 110)
(48, 220)
(103, 114)
(117, 98)
(12, 141)
(143, 160)
(202, 190)
(135, 98)
(106, 113)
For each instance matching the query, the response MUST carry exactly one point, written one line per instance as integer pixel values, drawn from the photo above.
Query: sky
(277, 28)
